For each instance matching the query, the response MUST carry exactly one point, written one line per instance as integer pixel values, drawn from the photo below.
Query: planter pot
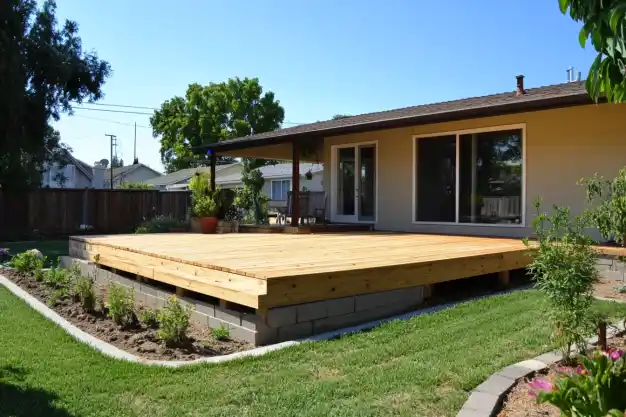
(194, 225)
(208, 224)
(235, 226)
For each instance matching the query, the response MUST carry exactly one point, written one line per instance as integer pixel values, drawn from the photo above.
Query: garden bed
(520, 403)
(610, 289)
(136, 337)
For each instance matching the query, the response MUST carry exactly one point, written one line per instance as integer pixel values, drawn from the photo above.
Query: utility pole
(135, 146)
(113, 143)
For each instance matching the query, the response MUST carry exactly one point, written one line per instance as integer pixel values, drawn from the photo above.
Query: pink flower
(539, 384)
(615, 354)
(581, 371)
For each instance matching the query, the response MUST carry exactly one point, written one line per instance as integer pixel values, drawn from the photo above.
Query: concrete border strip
(117, 353)
(487, 398)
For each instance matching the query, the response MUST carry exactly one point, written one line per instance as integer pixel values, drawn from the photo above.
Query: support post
(295, 184)
(602, 344)
(213, 163)
(504, 278)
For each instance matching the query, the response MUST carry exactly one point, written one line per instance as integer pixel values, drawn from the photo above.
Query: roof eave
(473, 113)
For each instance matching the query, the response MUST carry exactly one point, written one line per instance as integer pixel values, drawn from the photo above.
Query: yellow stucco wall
(562, 146)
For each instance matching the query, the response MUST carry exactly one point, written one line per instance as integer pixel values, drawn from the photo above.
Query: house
(179, 180)
(467, 167)
(70, 172)
(128, 174)
(278, 180)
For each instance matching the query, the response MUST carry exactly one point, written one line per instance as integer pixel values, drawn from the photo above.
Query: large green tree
(603, 23)
(212, 113)
(43, 69)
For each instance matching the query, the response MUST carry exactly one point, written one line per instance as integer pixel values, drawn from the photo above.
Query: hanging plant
(308, 175)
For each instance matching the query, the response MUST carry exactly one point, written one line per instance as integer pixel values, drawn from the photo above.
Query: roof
(125, 170)
(541, 98)
(273, 172)
(84, 167)
(183, 174)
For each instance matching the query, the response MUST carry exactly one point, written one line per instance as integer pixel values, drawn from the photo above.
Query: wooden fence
(61, 212)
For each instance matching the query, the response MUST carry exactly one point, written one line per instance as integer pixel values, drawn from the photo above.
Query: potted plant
(308, 175)
(234, 215)
(206, 209)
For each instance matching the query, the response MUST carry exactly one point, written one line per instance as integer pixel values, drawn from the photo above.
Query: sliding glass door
(353, 192)
(470, 177)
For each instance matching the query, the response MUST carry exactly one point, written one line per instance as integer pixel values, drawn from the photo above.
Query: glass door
(354, 184)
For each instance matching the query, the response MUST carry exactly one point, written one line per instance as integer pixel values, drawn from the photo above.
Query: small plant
(56, 296)
(564, 269)
(205, 206)
(595, 389)
(4, 255)
(174, 321)
(120, 304)
(621, 289)
(221, 333)
(28, 262)
(608, 213)
(84, 292)
(141, 230)
(149, 318)
(57, 277)
(160, 224)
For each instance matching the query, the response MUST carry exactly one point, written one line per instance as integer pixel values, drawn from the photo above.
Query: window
(470, 177)
(280, 188)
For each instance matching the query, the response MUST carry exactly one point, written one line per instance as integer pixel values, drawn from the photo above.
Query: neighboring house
(278, 180)
(179, 180)
(70, 173)
(129, 174)
(470, 167)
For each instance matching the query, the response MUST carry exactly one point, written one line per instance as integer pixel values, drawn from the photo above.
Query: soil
(608, 289)
(137, 338)
(519, 403)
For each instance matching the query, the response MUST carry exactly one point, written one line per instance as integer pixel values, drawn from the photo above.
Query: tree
(116, 162)
(210, 114)
(43, 69)
(603, 23)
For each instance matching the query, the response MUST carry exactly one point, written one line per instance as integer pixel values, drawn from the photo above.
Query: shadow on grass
(17, 401)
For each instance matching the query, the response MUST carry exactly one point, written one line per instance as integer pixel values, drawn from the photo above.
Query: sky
(319, 57)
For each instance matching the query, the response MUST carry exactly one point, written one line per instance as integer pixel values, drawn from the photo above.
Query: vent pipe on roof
(520, 86)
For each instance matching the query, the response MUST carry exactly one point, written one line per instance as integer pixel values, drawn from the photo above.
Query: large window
(280, 188)
(473, 177)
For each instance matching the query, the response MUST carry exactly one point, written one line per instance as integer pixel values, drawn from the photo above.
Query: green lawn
(420, 367)
(52, 249)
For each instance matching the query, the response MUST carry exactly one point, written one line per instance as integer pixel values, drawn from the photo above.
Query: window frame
(458, 134)
(281, 189)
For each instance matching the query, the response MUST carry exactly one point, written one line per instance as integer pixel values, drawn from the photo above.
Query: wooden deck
(269, 270)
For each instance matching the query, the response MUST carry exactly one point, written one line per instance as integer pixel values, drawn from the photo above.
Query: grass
(50, 248)
(420, 367)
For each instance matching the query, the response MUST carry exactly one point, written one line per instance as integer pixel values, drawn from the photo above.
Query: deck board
(279, 269)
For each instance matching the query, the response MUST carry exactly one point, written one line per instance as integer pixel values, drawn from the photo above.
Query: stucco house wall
(561, 146)
(314, 184)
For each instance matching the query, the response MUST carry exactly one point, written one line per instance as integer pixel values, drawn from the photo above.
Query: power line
(113, 111)
(127, 106)
(110, 121)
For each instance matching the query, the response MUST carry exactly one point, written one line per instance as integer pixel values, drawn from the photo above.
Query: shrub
(205, 206)
(221, 333)
(160, 224)
(28, 262)
(134, 185)
(120, 304)
(609, 211)
(57, 295)
(595, 389)
(57, 277)
(564, 269)
(149, 318)
(84, 291)
(174, 321)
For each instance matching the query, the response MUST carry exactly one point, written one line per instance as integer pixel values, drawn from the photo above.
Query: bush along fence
(63, 212)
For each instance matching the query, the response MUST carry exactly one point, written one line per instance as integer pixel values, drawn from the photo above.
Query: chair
(304, 206)
(317, 206)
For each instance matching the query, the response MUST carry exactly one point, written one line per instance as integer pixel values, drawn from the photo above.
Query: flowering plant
(4, 254)
(233, 214)
(595, 389)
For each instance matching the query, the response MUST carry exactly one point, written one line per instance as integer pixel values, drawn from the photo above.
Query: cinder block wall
(279, 324)
(610, 268)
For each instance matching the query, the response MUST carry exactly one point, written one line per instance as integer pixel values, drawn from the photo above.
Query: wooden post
(602, 335)
(180, 292)
(503, 278)
(213, 163)
(295, 184)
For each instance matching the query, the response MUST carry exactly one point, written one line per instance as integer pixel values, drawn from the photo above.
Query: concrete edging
(117, 353)
(486, 399)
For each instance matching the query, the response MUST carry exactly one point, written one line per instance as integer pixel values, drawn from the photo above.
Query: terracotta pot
(208, 224)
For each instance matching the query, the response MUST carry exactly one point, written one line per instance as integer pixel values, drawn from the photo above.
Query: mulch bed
(519, 403)
(137, 338)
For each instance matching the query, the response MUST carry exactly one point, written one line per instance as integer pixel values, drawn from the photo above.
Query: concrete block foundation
(277, 324)
(610, 268)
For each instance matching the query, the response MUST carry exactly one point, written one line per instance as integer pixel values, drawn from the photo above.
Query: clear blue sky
(319, 57)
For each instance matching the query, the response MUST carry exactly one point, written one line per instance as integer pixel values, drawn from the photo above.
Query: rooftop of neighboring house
(273, 172)
(118, 171)
(68, 158)
(184, 174)
(514, 101)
